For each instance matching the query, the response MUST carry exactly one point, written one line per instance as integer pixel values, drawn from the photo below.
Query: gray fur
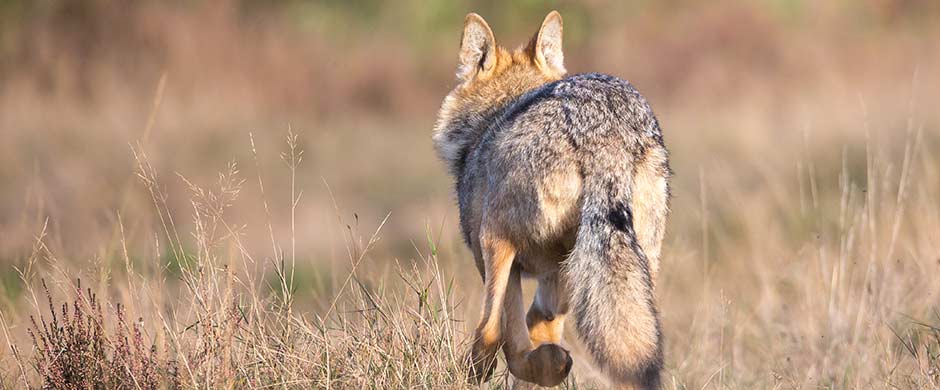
(595, 134)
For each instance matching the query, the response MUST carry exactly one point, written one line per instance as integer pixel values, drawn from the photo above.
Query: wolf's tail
(610, 283)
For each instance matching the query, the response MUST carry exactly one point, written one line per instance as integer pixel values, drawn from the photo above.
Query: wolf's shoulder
(574, 91)
(591, 83)
(587, 86)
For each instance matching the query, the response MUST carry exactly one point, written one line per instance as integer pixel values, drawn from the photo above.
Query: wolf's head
(489, 76)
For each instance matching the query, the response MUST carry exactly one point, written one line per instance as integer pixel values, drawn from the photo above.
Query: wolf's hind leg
(498, 255)
(546, 316)
(546, 364)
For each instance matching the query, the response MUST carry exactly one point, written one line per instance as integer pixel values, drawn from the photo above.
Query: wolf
(564, 179)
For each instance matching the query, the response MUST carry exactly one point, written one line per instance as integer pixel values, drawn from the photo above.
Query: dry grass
(232, 328)
(850, 301)
(802, 251)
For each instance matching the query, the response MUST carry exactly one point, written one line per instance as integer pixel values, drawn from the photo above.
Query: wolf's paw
(481, 362)
(550, 364)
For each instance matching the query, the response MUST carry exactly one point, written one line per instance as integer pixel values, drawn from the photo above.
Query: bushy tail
(611, 288)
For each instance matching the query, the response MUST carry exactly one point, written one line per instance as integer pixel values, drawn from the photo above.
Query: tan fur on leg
(546, 316)
(545, 365)
(498, 255)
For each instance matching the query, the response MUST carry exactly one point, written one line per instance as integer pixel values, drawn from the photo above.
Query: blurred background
(780, 115)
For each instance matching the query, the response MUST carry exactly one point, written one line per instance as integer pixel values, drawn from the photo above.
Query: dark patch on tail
(621, 217)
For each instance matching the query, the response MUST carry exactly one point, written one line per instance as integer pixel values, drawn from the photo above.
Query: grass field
(242, 194)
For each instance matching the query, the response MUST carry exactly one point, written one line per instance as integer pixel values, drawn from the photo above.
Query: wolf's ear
(477, 48)
(547, 45)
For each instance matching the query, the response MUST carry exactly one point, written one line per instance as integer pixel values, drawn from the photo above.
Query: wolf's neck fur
(469, 109)
(460, 126)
